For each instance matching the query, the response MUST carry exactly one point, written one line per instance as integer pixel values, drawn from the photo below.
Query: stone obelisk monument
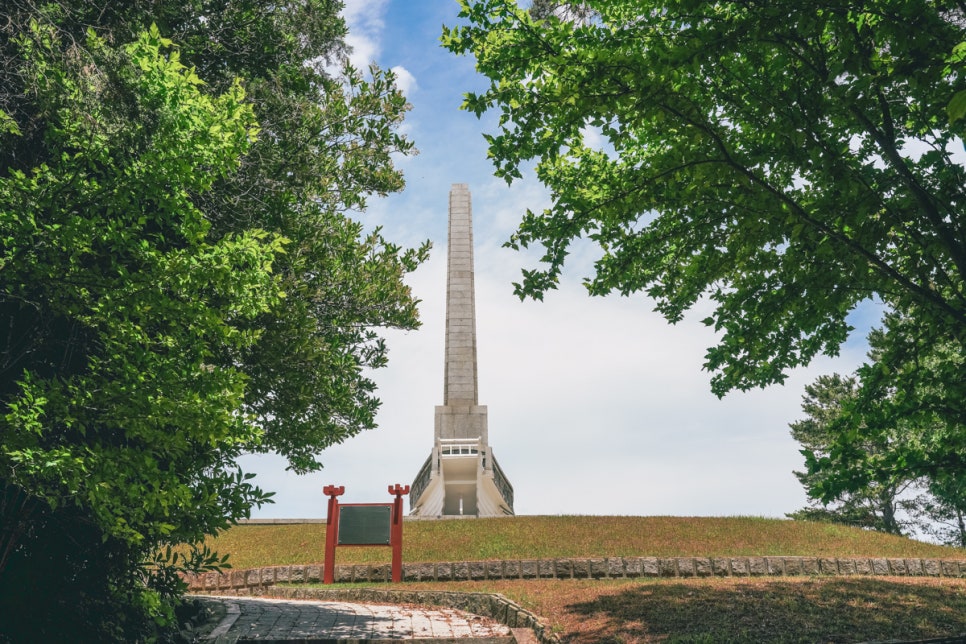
(461, 477)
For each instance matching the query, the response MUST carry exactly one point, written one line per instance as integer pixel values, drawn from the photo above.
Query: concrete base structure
(461, 477)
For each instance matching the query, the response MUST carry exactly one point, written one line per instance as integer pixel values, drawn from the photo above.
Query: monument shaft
(461, 476)
(460, 383)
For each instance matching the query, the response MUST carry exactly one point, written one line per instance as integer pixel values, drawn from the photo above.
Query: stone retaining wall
(604, 568)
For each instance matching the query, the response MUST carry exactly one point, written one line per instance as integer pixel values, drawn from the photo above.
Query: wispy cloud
(365, 21)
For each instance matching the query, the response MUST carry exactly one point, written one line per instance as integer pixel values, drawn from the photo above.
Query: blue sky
(596, 406)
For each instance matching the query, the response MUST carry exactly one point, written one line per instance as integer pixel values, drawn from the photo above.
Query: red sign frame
(332, 529)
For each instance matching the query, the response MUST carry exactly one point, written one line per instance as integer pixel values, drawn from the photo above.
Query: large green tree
(179, 284)
(877, 505)
(786, 160)
(897, 421)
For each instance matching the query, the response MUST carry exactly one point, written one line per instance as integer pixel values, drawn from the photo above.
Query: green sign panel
(365, 525)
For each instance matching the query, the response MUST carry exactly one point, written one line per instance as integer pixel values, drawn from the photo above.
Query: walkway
(281, 620)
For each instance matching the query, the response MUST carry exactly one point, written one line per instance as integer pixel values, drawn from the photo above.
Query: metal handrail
(502, 483)
(421, 481)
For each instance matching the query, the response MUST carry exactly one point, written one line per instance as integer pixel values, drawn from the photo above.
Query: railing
(502, 484)
(459, 447)
(421, 481)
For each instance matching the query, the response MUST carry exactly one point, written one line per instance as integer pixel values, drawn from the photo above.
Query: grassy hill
(541, 537)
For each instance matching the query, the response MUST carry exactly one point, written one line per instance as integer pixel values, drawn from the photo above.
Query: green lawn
(540, 537)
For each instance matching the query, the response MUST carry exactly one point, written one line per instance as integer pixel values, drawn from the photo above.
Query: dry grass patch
(738, 610)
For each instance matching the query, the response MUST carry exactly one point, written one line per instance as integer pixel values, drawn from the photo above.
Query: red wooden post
(395, 531)
(331, 531)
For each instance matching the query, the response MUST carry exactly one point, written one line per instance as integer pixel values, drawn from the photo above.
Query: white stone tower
(461, 477)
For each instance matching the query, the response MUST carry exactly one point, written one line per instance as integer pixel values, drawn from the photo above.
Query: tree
(326, 142)
(897, 422)
(785, 160)
(119, 433)
(179, 284)
(874, 506)
(885, 438)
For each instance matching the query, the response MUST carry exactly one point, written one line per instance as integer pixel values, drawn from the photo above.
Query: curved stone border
(602, 568)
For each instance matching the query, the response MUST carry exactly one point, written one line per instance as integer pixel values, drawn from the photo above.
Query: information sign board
(365, 524)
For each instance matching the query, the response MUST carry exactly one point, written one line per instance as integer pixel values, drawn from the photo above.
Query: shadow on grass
(826, 610)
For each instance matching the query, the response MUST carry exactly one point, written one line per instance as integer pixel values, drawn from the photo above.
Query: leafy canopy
(180, 283)
(890, 437)
(787, 160)
(117, 300)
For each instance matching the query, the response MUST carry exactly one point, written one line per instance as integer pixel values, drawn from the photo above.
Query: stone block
(426, 572)
(792, 565)
(615, 567)
(581, 568)
(382, 572)
(686, 567)
(757, 566)
(949, 568)
(563, 569)
(598, 568)
(546, 569)
(253, 578)
(846, 566)
(863, 566)
(494, 569)
(898, 567)
(477, 570)
(410, 572)
(739, 567)
(702, 567)
(461, 571)
(667, 567)
(511, 570)
(810, 566)
(721, 567)
(651, 566)
(529, 569)
(880, 566)
(930, 567)
(313, 574)
(344, 574)
(915, 566)
(828, 566)
(512, 613)
(633, 566)
(775, 566)
(364, 573)
(444, 572)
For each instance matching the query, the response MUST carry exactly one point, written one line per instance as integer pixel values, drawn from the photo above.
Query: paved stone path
(250, 618)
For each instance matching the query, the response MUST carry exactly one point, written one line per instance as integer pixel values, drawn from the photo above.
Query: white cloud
(365, 22)
(405, 81)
